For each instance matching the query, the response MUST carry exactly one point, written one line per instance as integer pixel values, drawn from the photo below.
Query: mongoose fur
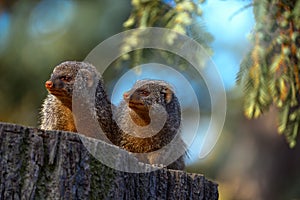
(134, 113)
(56, 113)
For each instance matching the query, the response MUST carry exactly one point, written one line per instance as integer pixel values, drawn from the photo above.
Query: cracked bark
(37, 164)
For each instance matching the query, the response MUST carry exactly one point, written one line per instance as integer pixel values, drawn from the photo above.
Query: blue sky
(231, 41)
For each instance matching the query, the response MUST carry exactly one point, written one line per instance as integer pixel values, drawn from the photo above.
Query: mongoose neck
(140, 118)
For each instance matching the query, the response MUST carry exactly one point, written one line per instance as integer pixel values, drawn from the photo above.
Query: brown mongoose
(147, 101)
(56, 113)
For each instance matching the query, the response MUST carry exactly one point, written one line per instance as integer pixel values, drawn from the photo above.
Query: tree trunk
(37, 164)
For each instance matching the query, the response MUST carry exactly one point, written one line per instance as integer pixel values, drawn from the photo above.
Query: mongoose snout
(135, 101)
(48, 85)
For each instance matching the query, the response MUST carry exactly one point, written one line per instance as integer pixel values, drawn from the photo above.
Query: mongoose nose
(48, 84)
(126, 95)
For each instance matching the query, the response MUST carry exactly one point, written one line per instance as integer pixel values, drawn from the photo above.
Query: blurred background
(249, 161)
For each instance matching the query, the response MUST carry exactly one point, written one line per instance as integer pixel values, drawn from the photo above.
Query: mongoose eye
(144, 93)
(66, 78)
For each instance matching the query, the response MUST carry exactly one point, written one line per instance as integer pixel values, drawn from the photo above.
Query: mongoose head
(63, 77)
(146, 93)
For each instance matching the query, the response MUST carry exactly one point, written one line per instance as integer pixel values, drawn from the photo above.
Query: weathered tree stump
(37, 164)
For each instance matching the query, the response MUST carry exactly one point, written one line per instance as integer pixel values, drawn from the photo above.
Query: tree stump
(38, 164)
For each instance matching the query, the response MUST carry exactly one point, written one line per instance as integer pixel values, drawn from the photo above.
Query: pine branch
(182, 16)
(270, 71)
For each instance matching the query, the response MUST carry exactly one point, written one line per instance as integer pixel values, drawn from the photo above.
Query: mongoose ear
(168, 94)
(88, 77)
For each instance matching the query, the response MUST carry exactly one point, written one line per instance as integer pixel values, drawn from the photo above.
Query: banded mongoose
(56, 113)
(139, 114)
(57, 110)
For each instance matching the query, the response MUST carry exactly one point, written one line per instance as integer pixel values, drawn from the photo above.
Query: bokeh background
(249, 161)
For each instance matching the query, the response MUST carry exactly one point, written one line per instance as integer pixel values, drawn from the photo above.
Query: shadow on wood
(37, 164)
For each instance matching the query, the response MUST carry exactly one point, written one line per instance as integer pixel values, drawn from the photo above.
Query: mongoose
(145, 95)
(149, 101)
(56, 113)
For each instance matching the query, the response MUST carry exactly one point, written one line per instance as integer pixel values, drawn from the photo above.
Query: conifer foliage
(182, 16)
(270, 72)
